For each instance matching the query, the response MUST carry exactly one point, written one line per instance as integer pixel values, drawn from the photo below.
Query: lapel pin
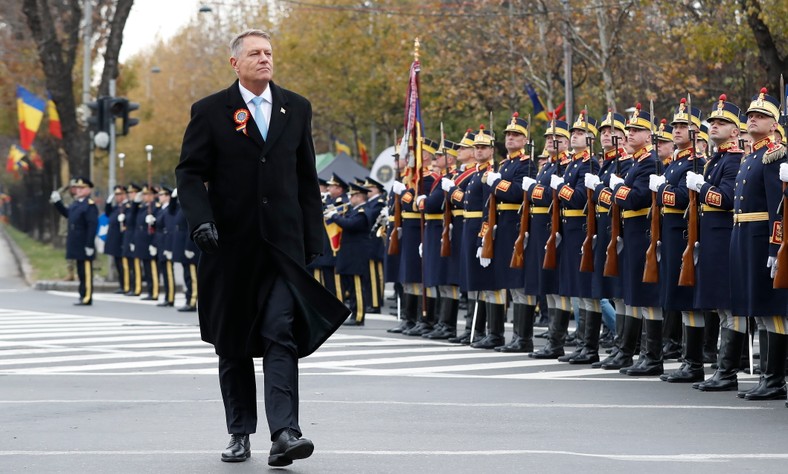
(282, 110)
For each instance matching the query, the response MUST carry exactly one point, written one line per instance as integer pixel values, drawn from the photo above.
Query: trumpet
(341, 209)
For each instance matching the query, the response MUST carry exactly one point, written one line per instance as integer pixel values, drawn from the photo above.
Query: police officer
(127, 220)
(164, 228)
(114, 244)
(82, 215)
(715, 188)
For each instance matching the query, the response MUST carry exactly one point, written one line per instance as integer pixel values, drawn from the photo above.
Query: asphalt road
(127, 387)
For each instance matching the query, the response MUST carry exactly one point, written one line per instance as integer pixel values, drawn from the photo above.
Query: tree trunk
(774, 64)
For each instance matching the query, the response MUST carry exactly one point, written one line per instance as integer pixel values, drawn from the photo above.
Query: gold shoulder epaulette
(774, 153)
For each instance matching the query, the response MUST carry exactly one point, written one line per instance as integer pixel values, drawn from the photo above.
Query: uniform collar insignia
(765, 141)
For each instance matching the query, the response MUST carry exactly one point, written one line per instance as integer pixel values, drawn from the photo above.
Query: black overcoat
(264, 198)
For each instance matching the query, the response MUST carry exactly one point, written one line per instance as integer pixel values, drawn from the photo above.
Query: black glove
(206, 237)
(311, 257)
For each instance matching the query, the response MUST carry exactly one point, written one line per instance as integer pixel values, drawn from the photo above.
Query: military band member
(632, 193)
(114, 243)
(377, 212)
(144, 248)
(673, 197)
(715, 187)
(558, 307)
(164, 227)
(82, 215)
(506, 186)
(757, 233)
(128, 219)
(337, 198)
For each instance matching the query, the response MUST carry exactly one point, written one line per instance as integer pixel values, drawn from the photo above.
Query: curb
(22, 263)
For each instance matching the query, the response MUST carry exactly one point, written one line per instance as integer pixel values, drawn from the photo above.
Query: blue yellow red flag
(341, 147)
(54, 118)
(539, 109)
(14, 163)
(30, 109)
(362, 152)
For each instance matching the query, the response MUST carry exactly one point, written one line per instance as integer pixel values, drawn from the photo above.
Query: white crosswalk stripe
(38, 343)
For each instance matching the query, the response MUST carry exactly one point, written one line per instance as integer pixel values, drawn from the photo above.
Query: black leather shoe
(187, 309)
(489, 342)
(289, 447)
(79, 303)
(372, 309)
(165, 304)
(403, 326)
(148, 298)
(119, 292)
(460, 337)
(352, 321)
(238, 450)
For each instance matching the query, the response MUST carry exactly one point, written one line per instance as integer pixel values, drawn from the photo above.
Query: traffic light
(129, 122)
(120, 107)
(99, 115)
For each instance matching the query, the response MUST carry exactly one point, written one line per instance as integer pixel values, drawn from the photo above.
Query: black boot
(711, 335)
(496, 315)
(481, 322)
(410, 305)
(652, 365)
(447, 327)
(466, 334)
(640, 350)
(691, 369)
(773, 386)
(427, 319)
(524, 321)
(629, 338)
(724, 378)
(557, 328)
(590, 352)
(671, 335)
(579, 337)
(762, 356)
(516, 308)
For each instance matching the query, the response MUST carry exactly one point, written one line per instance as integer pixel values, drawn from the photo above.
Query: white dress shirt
(267, 104)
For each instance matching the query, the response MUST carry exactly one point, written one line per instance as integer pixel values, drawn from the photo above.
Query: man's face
(81, 191)
(482, 153)
(255, 64)
(440, 161)
(606, 138)
(334, 191)
(721, 131)
(357, 198)
(164, 198)
(578, 139)
(426, 158)
(514, 141)
(465, 155)
(637, 138)
(562, 142)
(120, 197)
(759, 125)
(664, 149)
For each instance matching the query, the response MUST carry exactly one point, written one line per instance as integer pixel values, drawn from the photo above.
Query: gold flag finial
(416, 45)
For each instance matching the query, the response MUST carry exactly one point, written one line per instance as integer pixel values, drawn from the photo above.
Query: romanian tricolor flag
(31, 110)
(36, 159)
(14, 163)
(341, 147)
(362, 152)
(334, 235)
(539, 110)
(54, 118)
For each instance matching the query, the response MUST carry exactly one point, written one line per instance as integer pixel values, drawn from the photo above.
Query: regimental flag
(15, 161)
(341, 147)
(30, 109)
(334, 235)
(36, 159)
(539, 109)
(362, 152)
(54, 118)
(413, 127)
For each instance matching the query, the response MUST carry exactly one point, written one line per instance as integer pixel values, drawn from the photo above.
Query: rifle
(611, 259)
(518, 259)
(395, 234)
(687, 274)
(781, 277)
(446, 232)
(492, 211)
(551, 250)
(587, 258)
(651, 269)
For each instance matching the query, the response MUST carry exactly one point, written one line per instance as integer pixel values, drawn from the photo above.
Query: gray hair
(237, 42)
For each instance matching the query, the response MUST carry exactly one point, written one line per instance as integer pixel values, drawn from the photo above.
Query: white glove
(421, 254)
(152, 250)
(695, 181)
(398, 188)
(188, 254)
(132, 247)
(168, 254)
(525, 240)
(619, 244)
(655, 181)
(592, 181)
(556, 181)
(138, 197)
(557, 239)
(479, 252)
(420, 198)
(150, 219)
(55, 197)
(447, 184)
(772, 263)
(175, 193)
(485, 262)
(784, 172)
(384, 211)
(615, 180)
(491, 177)
(331, 214)
(89, 251)
(121, 218)
(528, 182)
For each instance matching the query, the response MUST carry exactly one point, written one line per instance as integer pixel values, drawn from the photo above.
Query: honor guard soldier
(337, 199)
(715, 188)
(127, 220)
(632, 194)
(506, 186)
(114, 244)
(606, 284)
(391, 262)
(377, 212)
(144, 248)
(185, 252)
(674, 199)
(437, 228)
(574, 207)
(82, 215)
(543, 203)
(352, 263)
(455, 188)
(165, 226)
(745, 142)
(757, 235)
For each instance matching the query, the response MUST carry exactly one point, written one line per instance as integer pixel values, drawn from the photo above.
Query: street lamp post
(149, 152)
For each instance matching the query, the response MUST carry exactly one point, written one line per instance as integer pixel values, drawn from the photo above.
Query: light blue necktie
(259, 119)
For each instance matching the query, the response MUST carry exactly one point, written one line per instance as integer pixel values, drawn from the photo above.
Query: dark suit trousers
(280, 372)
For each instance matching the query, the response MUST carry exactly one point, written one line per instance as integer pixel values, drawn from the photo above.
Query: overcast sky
(151, 18)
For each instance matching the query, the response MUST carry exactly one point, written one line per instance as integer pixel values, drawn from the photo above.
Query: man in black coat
(248, 186)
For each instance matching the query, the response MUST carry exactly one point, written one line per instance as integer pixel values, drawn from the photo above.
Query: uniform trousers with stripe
(85, 275)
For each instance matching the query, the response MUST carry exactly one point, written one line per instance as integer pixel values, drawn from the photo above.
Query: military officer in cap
(506, 186)
(82, 215)
(164, 227)
(352, 263)
(391, 262)
(144, 248)
(715, 188)
(114, 243)
(127, 220)
(632, 193)
(673, 197)
(615, 161)
(337, 199)
(541, 198)
(757, 234)
(377, 211)
(185, 252)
